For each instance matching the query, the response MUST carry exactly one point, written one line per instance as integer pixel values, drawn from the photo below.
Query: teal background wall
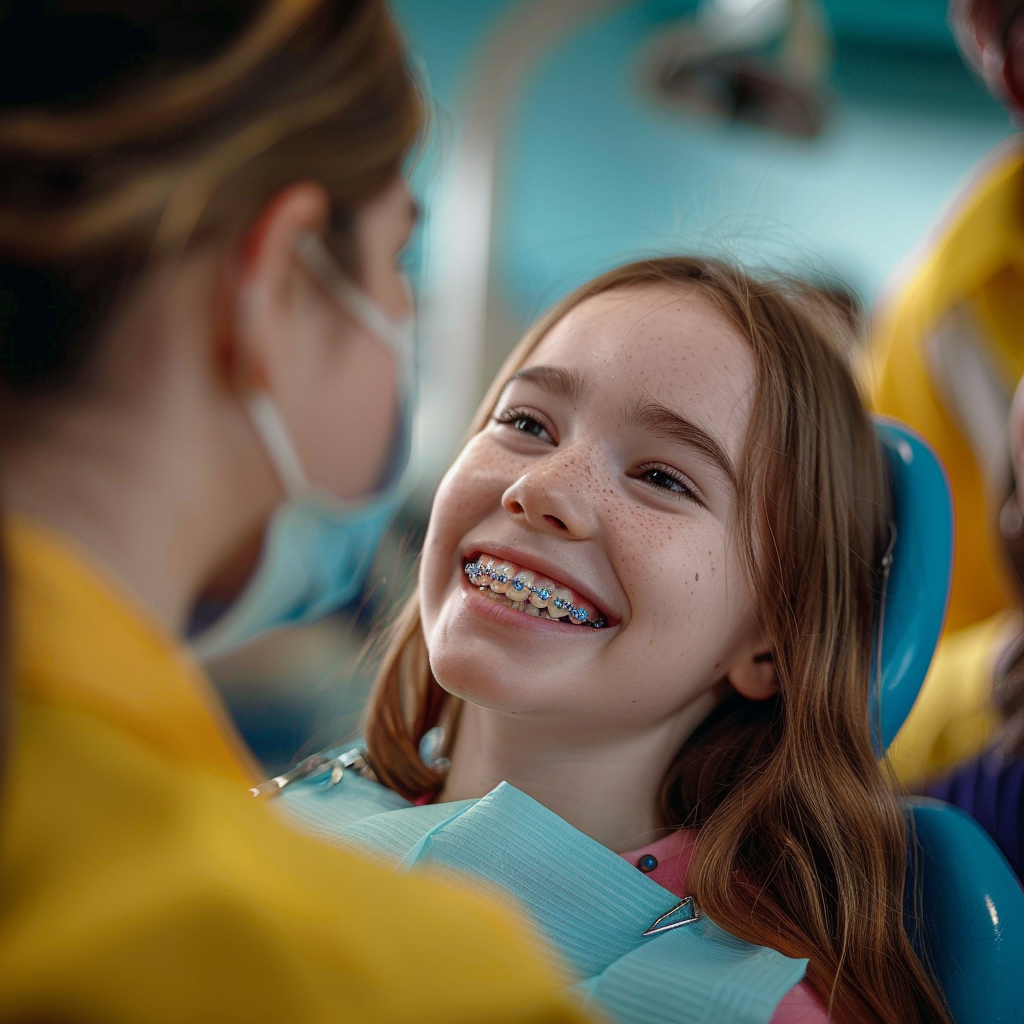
(594, 171)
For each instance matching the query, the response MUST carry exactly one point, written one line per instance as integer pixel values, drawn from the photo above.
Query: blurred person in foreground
(990, 787)
(948, 351)
(201, 210)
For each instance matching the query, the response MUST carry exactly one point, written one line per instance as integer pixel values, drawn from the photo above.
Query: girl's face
(605, 479)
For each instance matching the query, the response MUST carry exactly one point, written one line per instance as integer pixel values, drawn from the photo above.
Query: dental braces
(474, 570)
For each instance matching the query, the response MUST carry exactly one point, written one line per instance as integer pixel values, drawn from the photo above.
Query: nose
(556, 494)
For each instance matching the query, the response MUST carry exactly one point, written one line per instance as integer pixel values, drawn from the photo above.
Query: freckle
(696, 577)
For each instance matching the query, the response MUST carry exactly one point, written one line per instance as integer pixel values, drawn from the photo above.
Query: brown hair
(801, 845)
(130, 131)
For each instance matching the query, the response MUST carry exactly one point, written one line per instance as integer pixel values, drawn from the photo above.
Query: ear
(754, 675)
(269, 279)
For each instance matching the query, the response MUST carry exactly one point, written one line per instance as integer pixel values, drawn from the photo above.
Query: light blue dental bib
(589, 903)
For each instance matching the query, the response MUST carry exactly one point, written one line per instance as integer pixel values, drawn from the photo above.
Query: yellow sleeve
(973, 255)
(952, 719)
(137, 893)
(903, 388)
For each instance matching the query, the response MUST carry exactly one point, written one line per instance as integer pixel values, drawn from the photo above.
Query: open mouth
(529, 592)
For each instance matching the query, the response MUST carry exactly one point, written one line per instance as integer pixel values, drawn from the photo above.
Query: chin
(498, 689)
(460, 677)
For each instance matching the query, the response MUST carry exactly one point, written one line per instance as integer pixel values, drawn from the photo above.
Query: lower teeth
(529, 609)
(525, 606)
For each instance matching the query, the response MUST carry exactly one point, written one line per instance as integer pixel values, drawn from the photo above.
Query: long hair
(801, 845)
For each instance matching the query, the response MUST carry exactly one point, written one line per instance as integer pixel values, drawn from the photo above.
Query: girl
(201, 215)
(646, 606)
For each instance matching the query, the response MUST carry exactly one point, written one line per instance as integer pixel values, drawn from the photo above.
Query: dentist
(203, 341)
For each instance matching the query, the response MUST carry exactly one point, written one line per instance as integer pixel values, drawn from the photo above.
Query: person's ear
(270, 281)
(754, 675)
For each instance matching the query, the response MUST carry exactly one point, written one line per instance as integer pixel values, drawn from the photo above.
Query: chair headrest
(919, 578)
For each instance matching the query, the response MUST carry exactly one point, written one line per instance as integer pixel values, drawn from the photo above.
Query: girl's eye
(664, 479)
(523, 422)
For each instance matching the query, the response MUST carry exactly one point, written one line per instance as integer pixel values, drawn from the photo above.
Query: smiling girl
(645, 614)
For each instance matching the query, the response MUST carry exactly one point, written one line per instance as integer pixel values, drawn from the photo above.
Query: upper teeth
(522, 587)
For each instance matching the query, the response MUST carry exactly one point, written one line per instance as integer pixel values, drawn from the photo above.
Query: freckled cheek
(673, 576)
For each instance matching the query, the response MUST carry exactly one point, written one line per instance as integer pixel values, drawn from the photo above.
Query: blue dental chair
(969, 921)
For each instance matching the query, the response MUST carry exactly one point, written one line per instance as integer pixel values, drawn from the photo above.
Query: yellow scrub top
(974, 256)
(139, 882)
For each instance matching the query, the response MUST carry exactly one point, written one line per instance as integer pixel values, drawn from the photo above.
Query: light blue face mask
(318, 548)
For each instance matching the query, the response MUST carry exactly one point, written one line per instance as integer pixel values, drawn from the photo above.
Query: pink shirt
(671, 855)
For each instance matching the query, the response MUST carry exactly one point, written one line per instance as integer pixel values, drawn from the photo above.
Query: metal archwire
(912, 608)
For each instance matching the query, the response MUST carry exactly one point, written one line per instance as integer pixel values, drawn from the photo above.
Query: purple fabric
(991, 790)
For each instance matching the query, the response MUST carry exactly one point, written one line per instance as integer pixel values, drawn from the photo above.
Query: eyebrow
(666, 424)
(557, 380)
(645, 415)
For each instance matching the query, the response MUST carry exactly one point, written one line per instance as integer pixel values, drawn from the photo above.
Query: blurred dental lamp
(761, 62)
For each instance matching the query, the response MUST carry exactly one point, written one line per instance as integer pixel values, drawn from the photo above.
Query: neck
(607, 788)
(139, 484)
(112, 491)
(150, 464)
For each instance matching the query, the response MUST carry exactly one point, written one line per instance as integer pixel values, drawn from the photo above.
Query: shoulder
(977, 227)
(144, 892)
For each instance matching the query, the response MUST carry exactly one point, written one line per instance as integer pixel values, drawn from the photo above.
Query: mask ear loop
(278, 444)
(314, 253)
(397, 336)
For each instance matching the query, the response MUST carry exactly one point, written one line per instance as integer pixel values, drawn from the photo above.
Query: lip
(543, 567)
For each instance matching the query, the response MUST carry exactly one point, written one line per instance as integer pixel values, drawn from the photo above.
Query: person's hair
(131, 130)
(801, 845)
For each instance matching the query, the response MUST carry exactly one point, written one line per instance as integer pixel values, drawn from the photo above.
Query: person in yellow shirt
(948, 352)
(202, 340)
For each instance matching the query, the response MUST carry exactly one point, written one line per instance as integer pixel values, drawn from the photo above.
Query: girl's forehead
(641, 325)
(667, 342)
